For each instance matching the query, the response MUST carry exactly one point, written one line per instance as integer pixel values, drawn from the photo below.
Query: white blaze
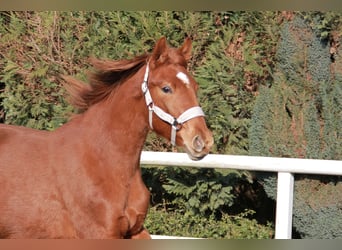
(183, 77)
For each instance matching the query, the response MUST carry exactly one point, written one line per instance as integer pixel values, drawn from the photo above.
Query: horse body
(77, 174)
(83, 180)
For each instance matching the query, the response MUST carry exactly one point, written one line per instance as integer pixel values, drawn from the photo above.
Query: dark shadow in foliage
(251, 195)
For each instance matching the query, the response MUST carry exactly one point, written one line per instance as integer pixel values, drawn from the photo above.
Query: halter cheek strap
(176, 123)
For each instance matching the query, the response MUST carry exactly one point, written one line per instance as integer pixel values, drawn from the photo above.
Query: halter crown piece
(176, 123)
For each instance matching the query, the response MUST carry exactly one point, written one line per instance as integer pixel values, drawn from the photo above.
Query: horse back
(21, 146)
(47, 192)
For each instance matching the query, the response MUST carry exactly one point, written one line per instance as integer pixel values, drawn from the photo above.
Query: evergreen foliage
(204, 192)
(235, 64)
(300, 116)
(31, 96)
(317, 208)
(238, 226)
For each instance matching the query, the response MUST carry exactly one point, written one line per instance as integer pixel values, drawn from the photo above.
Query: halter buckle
(177, 126)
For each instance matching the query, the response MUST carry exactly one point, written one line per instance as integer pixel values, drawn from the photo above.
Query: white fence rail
(285, 167)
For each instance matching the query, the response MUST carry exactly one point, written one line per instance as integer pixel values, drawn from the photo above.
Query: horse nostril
(198, 143)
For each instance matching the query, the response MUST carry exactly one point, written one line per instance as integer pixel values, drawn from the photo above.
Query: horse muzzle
(199, 146)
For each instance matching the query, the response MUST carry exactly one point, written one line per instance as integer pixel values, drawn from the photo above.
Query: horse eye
(167, 90)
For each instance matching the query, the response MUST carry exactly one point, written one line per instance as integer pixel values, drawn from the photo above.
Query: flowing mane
(107, 75)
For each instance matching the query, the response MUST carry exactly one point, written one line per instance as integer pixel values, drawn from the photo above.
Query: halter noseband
(176, 123)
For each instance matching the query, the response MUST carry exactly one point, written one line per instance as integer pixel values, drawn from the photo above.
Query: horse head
(171, 97)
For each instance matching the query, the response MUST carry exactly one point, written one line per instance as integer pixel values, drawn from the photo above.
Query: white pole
(252, 163)
(283, 227)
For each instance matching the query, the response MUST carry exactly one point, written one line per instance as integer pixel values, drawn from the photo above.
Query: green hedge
(239, 226)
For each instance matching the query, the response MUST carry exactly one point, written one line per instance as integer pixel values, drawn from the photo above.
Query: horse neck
(117, 127)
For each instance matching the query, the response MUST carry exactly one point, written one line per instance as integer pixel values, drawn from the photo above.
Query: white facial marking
(183, 77)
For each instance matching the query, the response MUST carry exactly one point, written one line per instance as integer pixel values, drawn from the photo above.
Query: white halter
(175, 123)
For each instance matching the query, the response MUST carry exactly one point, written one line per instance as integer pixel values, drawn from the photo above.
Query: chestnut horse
(83, 180)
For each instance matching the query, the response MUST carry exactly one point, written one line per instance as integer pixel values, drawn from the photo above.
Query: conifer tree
(299, 116)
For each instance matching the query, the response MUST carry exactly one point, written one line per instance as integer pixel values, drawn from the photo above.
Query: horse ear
(186, 49)
(159, 51)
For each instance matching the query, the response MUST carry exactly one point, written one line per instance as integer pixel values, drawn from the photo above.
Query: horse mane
(107, 75)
